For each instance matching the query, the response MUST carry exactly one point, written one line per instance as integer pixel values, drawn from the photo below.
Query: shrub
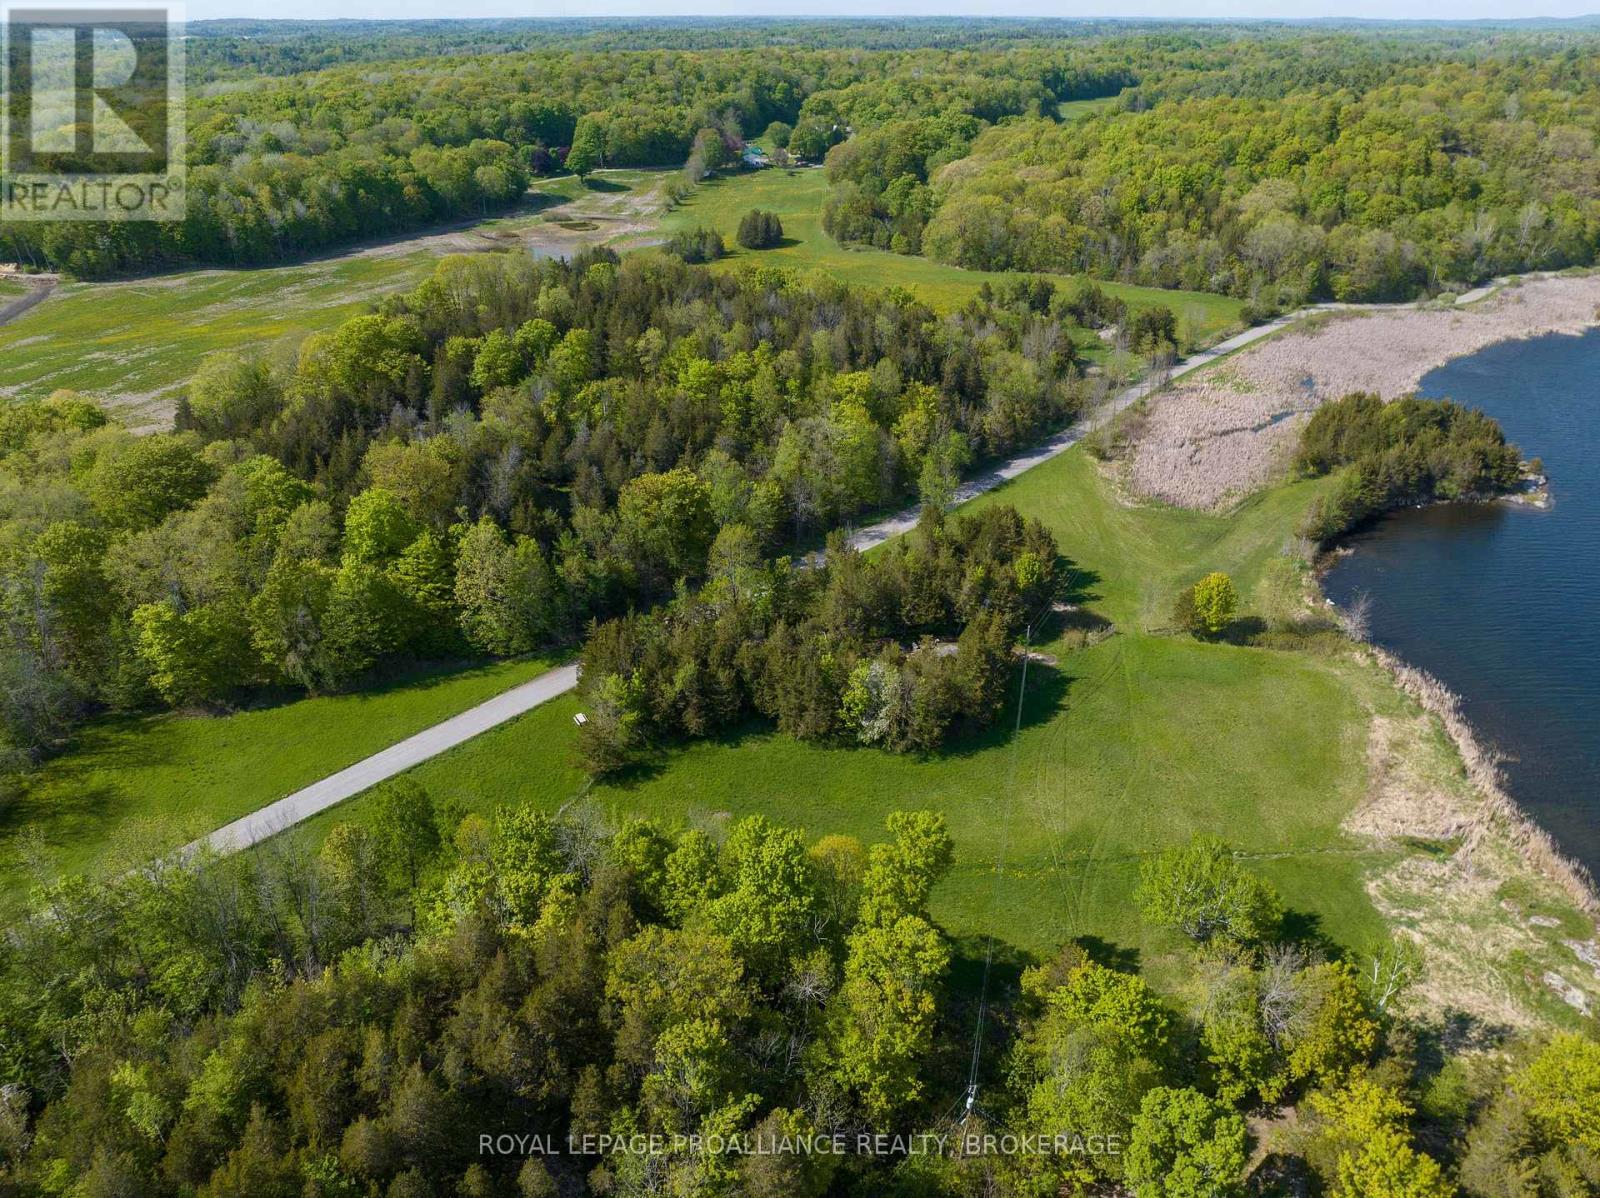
(1208, 607)
(760, 230)
(1204, 893)
(695, 246)
(1215, 602)
(1184, 616)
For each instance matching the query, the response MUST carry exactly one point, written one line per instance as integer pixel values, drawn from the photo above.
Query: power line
(969, 1101)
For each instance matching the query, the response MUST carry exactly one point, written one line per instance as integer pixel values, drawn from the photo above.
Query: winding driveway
(430, 742)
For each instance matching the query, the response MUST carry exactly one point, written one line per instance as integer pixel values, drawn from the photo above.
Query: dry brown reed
(1499, 811)
(1231, 429)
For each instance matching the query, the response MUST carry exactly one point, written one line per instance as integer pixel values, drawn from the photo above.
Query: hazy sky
(1381, 9)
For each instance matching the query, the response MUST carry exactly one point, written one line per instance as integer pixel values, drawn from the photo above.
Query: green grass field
(132, 344)
(797, 197)
(1131, 743)
(136, 787)
(1072, 110)
(1127, 746)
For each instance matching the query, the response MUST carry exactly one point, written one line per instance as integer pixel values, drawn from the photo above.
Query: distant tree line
(1270, 164)
(311, 161)
(1359, 186)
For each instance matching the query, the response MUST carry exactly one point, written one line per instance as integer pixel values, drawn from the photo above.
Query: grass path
(327, 792)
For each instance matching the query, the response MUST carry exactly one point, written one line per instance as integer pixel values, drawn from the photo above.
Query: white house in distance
(754, 157)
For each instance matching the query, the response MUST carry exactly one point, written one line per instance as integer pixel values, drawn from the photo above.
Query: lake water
(1501, 602)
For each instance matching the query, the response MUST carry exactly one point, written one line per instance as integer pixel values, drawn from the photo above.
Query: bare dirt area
(34, 289)
(547, 225)
(1229, 430)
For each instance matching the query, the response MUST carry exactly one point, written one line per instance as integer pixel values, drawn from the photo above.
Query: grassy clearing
(134, 787)
(131, 343)
(1073, 110)
(1129, 745)
(797, 197)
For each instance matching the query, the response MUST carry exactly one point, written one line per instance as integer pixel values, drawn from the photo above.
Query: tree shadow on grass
(1078, 627)
(600, 183)
(74, 808)
(419, 676)
(967, 957)
(535, 202)
(1304, 930)
(1441, 1036)
(1044, 696)
(645, 769)
(1111, 955)
(1243, 631)
(1079, 583)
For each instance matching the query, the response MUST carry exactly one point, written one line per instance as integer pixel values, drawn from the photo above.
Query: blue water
(1500, 602)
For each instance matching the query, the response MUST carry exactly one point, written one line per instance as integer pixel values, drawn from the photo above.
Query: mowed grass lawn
(797, 197)
(1127, 746)
(133, 788)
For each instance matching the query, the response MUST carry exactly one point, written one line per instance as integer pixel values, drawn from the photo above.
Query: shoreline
(1536, 846)
(1500, 876)
(1508, 926)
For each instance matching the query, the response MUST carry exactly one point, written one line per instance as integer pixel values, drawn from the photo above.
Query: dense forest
(284, 166)
(243, 48)
(1262, 162)
(1443, 175)
(822, 652)
(1351, 168)
(482, 466)
(656, 1007)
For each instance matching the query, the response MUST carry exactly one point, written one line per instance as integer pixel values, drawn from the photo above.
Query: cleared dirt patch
(612, 207)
